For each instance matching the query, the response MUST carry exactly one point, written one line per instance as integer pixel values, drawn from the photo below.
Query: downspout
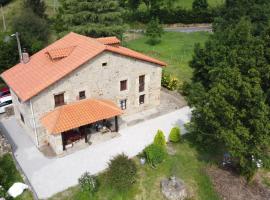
(34, 121)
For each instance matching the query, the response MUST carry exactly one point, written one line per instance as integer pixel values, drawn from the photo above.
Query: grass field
(176, 49)
(185, 164)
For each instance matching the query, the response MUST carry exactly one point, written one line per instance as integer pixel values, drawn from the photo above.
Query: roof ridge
(102, 101)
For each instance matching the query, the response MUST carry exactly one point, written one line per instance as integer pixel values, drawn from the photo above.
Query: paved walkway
(49, 176)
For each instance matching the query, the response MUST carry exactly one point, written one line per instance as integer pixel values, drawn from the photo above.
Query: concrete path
(49, 176)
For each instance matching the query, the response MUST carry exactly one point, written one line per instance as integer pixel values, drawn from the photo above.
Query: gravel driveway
(51, 175)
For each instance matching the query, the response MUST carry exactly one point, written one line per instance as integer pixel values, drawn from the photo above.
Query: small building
(80, 83)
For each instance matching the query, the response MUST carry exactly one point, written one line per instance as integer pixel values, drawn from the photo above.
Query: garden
(140, 177)
(8, 176)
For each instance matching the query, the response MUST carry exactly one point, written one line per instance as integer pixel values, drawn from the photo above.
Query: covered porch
(79, 123)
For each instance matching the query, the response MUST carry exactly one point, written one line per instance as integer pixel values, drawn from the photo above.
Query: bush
(154, 154)
(122, 172)
(159, 139)
(175, 134)
(4, 2)
(88, 183)
(169, 82)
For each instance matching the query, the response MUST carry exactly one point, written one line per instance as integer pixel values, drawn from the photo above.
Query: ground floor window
(22, 118)
(141, 99)
(123, 104)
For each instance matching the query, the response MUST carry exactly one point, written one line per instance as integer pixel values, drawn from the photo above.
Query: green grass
(188, 3)
(176, 49)
(185, 164)
(9, 175)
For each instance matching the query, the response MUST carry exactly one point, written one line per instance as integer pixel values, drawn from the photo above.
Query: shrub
(88, 183)
(122, 172)
(154, 154)
(159, 139)
(169, 82)
(8, 172)
(175, 134)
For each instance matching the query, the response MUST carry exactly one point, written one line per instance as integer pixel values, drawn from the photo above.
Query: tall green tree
(33, 30)
(9, 54)
(37, 6)
(230, 86)
(200, 5)
(90, 17)
(154, 32)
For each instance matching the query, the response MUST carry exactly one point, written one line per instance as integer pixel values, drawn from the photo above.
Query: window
(59, 100)
(141, 99)
(82, 95)
(22, 118)
(104, 64)
(5, 103)
(141, 83)
(123, 104)
(123, 85)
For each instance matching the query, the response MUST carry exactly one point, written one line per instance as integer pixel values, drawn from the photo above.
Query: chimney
(25, 57)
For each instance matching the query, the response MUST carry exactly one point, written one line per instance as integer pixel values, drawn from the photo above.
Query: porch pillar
(63, 142)
(116, 123)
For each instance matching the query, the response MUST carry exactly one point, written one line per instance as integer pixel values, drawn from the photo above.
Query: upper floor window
(59, 99)
(123, 104)
(104, 64)
(123, 85)
(82, 95)
(141, 99)
(141, 83)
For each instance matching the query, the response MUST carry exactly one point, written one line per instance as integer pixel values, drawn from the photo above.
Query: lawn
(185, 164)
(176, 49)
(9, 175)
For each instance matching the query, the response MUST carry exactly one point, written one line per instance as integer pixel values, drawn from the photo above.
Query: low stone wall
(5, 147)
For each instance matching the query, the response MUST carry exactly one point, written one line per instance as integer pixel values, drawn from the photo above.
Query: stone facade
(99, 78)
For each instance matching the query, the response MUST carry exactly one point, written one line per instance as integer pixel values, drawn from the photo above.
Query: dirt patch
(232, 187)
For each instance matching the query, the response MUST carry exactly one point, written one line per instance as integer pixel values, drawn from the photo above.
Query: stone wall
(98, 81)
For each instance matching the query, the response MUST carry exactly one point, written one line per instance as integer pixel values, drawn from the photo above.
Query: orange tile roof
(60, 53)
(109, 40)
(78, 114)
(59, 59)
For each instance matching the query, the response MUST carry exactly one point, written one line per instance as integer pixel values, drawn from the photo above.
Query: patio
(67, 126)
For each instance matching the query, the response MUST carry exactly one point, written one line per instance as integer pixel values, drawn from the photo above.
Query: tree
(9, 55)
(34, 32)
(133, 4)
(37, 6)
(154, 32)
(229, 90)
(200, 5)
(90, 17)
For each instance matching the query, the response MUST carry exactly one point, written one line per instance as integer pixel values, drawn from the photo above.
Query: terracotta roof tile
(27, 80)
(109, 40)
(78, 114)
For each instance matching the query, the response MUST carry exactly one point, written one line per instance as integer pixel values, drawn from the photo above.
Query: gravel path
(51, 175)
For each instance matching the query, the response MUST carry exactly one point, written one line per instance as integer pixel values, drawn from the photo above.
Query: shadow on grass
(207, 154)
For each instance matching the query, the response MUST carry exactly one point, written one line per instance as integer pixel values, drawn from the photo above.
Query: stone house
(79, 81)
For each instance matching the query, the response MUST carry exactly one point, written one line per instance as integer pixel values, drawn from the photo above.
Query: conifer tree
(90, 17)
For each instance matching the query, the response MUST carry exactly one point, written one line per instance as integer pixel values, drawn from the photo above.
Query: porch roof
(78, 114)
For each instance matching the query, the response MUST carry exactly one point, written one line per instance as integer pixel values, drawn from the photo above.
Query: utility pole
(3, 18)
(19, 44)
